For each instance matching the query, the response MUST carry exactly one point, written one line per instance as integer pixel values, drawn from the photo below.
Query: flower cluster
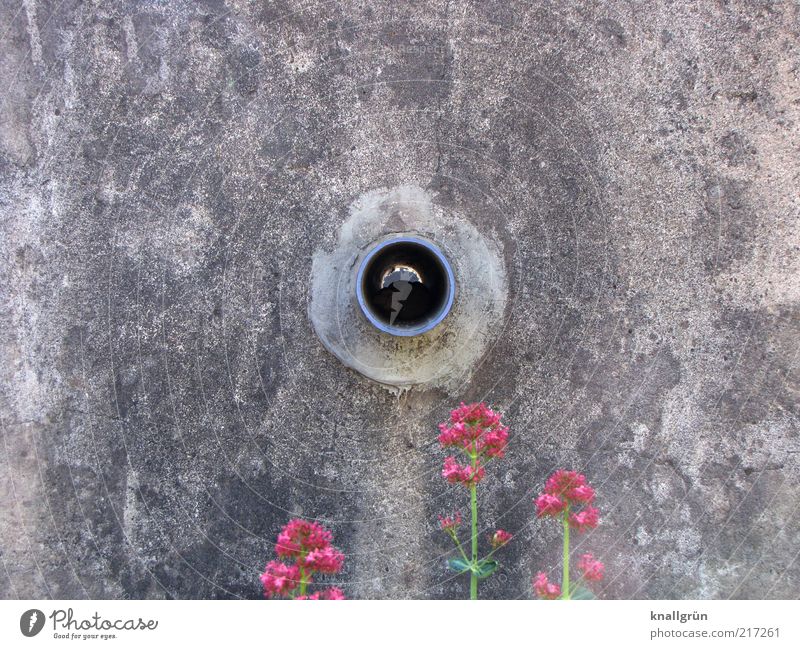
(325, 560)
(450, 523)
(476, 430)
(563, 492)
(309, 545)
(500, 538)
(585, 520)
(299, 536)
(567, 496)
(456, 473)
(279, 579)
(591, 568)
(544, 589)
(328, 593)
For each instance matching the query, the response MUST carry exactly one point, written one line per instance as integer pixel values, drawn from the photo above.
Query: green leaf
(485, 568)
(579, 592)
(459, 565)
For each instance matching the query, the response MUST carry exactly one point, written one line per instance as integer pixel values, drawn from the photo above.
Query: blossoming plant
(308, 547)
(568, 497)
(477, 433)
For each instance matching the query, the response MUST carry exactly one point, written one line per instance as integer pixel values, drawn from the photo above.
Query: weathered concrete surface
(168, 170)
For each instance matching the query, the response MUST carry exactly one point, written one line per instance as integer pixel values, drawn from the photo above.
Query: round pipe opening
(405, 286)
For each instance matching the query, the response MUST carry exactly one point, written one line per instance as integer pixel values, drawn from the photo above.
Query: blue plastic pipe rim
(405, 286)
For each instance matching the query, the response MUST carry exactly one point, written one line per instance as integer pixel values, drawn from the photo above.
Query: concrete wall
(170, 168)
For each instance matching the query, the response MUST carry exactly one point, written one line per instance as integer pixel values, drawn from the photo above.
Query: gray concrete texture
(170, 169)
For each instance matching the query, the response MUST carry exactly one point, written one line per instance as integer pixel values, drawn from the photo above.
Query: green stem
(303, 578)
(303, 582)
(473, 498)
(460, 549)
(565, 558)
(489, 556)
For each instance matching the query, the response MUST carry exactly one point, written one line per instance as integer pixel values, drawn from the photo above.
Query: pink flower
(279, 579)
(544, 589)
(494, 442)
(300, 536)
(564, 490)
(456, 435)
(567, 485)
(456, 473)
(476, 428)
(450, 523)
(309, 544)
(585, 520)
(331, 593)
(475, 414)
(326, 560)
(549, 505)
(582, 494)
(593, 570)
(500, 538)
(452, 471)
(328, 593)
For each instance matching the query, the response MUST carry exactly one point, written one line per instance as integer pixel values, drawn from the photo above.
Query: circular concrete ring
(442, 357)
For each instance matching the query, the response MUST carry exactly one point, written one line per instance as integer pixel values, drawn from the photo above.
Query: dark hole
(405, 285)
